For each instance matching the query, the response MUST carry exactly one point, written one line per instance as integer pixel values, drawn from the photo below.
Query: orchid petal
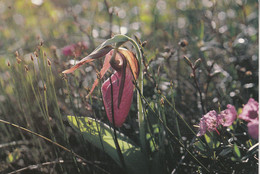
(104, 69)
(132, 61)
(120, 113)
(122, 83)
(94, 55)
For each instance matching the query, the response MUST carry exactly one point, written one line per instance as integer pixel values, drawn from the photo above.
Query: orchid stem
(141, 117)
(140, 107)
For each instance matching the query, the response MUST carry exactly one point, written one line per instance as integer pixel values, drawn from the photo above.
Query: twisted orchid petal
(104, 69)
(94, 55)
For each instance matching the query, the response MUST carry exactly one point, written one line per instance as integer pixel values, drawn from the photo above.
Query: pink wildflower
(253, 129)
(228, 116)
(209, 122)
(119, 84)
(250, 111)
(74, 49)
(203, 127)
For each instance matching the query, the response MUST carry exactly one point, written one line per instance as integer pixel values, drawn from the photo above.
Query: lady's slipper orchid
(117, 90)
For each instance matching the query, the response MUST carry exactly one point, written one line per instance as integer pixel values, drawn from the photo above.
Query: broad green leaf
(101, 136)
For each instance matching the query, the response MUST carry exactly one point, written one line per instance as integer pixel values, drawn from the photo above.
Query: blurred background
(41, 38)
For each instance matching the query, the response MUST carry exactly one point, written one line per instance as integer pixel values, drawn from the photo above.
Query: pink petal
(68, 50)
(209, 122)
(250, 111)
(228, 116)
(253, 129)
(203, 127)
(121, 112)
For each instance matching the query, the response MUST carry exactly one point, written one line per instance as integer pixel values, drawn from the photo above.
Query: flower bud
(197, 63)
(187, 60)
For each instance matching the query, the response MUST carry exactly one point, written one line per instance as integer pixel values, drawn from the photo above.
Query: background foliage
(34, 94)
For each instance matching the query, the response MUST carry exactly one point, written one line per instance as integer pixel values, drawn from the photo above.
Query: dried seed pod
(49, 62)
(26, 68)
(16, 53)
(35, 53)
(162, 101)
(18, 60)
(183, 43)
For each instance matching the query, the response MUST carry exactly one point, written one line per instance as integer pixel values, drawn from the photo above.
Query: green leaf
(199, 146)
(156, 166)
(201, 150)
(150, 137)
(201, 30)
(13, 156)
(225, 151)
(116, 39)
(101, 136)
(209, 141)
(237, 151)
